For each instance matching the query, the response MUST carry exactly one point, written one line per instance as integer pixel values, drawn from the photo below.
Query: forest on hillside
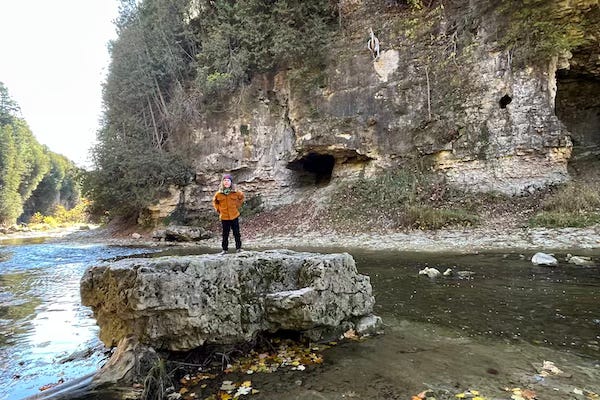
(33, 179)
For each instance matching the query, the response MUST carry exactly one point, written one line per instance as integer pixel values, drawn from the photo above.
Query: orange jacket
(227, 205)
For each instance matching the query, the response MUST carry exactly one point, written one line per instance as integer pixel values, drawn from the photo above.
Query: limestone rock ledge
(180, 303)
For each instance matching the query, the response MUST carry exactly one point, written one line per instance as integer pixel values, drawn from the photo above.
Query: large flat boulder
(180, 303)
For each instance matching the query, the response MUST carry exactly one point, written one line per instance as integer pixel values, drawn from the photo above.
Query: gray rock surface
(179, 303)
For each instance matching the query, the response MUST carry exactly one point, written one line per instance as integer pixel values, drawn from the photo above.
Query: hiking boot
(239, 250)
(223, 252)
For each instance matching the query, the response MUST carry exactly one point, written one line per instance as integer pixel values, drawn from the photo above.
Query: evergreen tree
(9, 109)
(24, 163)
(150, 61)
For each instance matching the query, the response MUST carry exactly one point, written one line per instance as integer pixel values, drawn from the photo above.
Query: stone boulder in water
(180, 303)
(544, 259)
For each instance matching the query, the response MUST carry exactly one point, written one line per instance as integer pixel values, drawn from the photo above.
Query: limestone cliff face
(440, 92)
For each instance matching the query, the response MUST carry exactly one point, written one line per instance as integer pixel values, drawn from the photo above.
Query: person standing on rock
(227, 202)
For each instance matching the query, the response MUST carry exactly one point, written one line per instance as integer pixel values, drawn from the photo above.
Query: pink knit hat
(228, 176)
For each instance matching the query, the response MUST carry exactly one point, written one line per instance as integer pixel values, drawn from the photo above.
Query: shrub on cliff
(534, 31)
(240, 38)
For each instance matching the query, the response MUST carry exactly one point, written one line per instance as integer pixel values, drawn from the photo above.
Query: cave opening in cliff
(578, 107)
(313, 169)
(505, 100)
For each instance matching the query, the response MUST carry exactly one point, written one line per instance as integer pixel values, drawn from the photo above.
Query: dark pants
(231, 225)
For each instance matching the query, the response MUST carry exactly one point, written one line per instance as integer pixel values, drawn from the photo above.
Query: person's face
(227, 182)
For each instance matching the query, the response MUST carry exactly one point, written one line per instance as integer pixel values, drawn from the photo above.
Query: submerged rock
(544, 259)
(580, 260)
(180, 303)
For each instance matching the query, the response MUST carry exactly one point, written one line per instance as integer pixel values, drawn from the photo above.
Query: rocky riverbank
(489, 237)
(447, 240)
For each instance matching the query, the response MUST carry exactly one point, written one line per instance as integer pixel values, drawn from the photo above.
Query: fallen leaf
(228, 386)
(549, 367)
(224, 396)
(592, 395)
(242, 391)
(470, 394)
(422, 395)
(350, 334)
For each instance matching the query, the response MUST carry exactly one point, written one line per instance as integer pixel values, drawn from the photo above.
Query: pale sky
(53, 60)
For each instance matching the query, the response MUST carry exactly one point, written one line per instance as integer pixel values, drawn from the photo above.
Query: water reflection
(42, 321)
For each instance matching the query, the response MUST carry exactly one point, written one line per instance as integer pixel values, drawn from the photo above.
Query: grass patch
(398, 199)
(427, 217)
(574, 205)
(575, 197)
(552, 219)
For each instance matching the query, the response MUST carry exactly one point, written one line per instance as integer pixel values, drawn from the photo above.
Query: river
(506, 316)
(45, 333)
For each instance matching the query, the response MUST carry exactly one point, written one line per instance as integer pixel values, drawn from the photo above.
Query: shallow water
(507, 296)
(507, 313)
(45, 332)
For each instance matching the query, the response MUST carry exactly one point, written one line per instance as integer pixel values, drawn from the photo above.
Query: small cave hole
(313, 169)
(505, 100)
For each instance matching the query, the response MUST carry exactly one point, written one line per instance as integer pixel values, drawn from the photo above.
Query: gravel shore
(447, 240)
(451, 240)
